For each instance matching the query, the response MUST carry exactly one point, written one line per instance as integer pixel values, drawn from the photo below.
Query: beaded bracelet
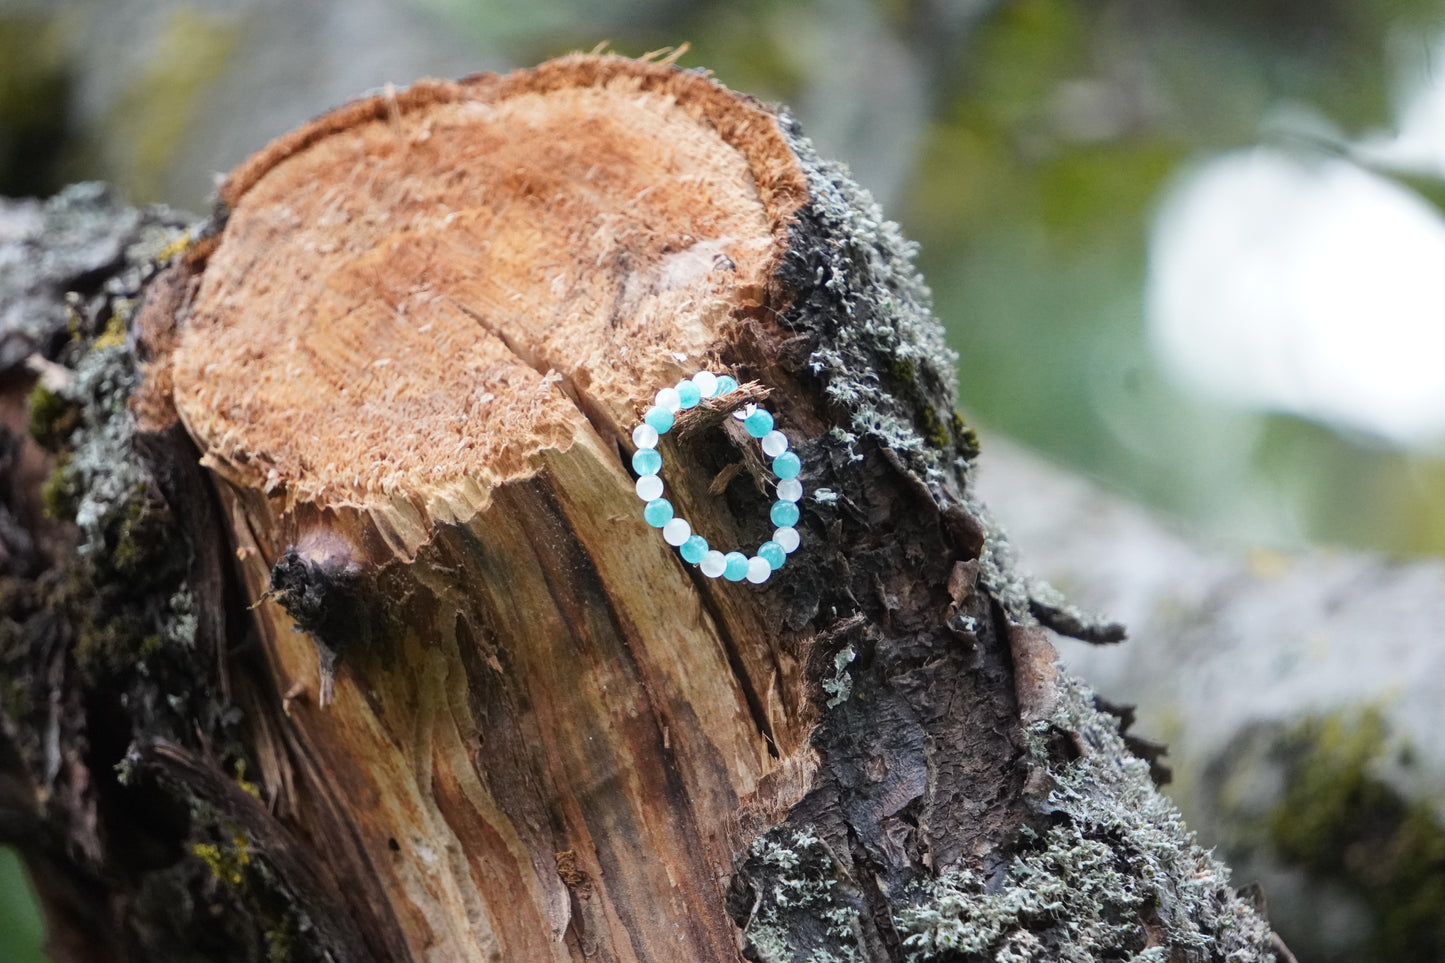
(658, 512)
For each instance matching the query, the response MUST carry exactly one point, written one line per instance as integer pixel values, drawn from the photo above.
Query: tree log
(485, 712)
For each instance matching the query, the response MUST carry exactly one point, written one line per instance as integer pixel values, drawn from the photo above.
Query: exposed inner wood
(422, 340)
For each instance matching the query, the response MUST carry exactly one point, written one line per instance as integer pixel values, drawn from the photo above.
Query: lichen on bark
(1113, 870)
(905, 850)
(874, 344)
(106, 646)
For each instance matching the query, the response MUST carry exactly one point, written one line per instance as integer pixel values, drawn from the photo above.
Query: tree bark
(359, 642)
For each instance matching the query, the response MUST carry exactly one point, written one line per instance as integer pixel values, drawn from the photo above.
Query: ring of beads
(658, 511)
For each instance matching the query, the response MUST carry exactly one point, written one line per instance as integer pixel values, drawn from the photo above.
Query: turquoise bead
(759, 423)
(690, 393)
(647, 461)
(737, 566)
(659, 418)
(784, 514)
(725, 383)
(787, 465)
(773, 554)
(658, 512)
(694, 549)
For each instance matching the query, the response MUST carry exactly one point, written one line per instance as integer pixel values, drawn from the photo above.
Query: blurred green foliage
(34, 104)
(20, 924)
(152, 114)
(1032, 200)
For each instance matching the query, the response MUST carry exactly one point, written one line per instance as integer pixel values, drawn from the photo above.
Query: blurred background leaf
(20, 925)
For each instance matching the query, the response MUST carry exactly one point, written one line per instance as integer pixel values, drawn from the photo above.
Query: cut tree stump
(485, 711)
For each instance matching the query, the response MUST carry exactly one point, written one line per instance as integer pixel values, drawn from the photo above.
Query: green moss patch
(1339, 820)
(52, 418)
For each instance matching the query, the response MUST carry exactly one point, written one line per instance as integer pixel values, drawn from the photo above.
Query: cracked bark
(409, 353)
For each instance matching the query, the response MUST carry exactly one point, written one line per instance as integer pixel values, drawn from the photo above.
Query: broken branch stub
(516, 724)
(412, 357)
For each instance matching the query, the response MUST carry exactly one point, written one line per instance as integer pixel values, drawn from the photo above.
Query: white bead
(676, 532)
(713, 563)
(706, 382)
(758, 570)
(790, 490)
(649, 487)
(668, 398)
(644, 436)
(742, 413)
(774, 443)
(788, 538)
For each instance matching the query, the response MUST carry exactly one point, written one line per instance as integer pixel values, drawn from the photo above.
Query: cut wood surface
(494, 716)
(414, 297)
